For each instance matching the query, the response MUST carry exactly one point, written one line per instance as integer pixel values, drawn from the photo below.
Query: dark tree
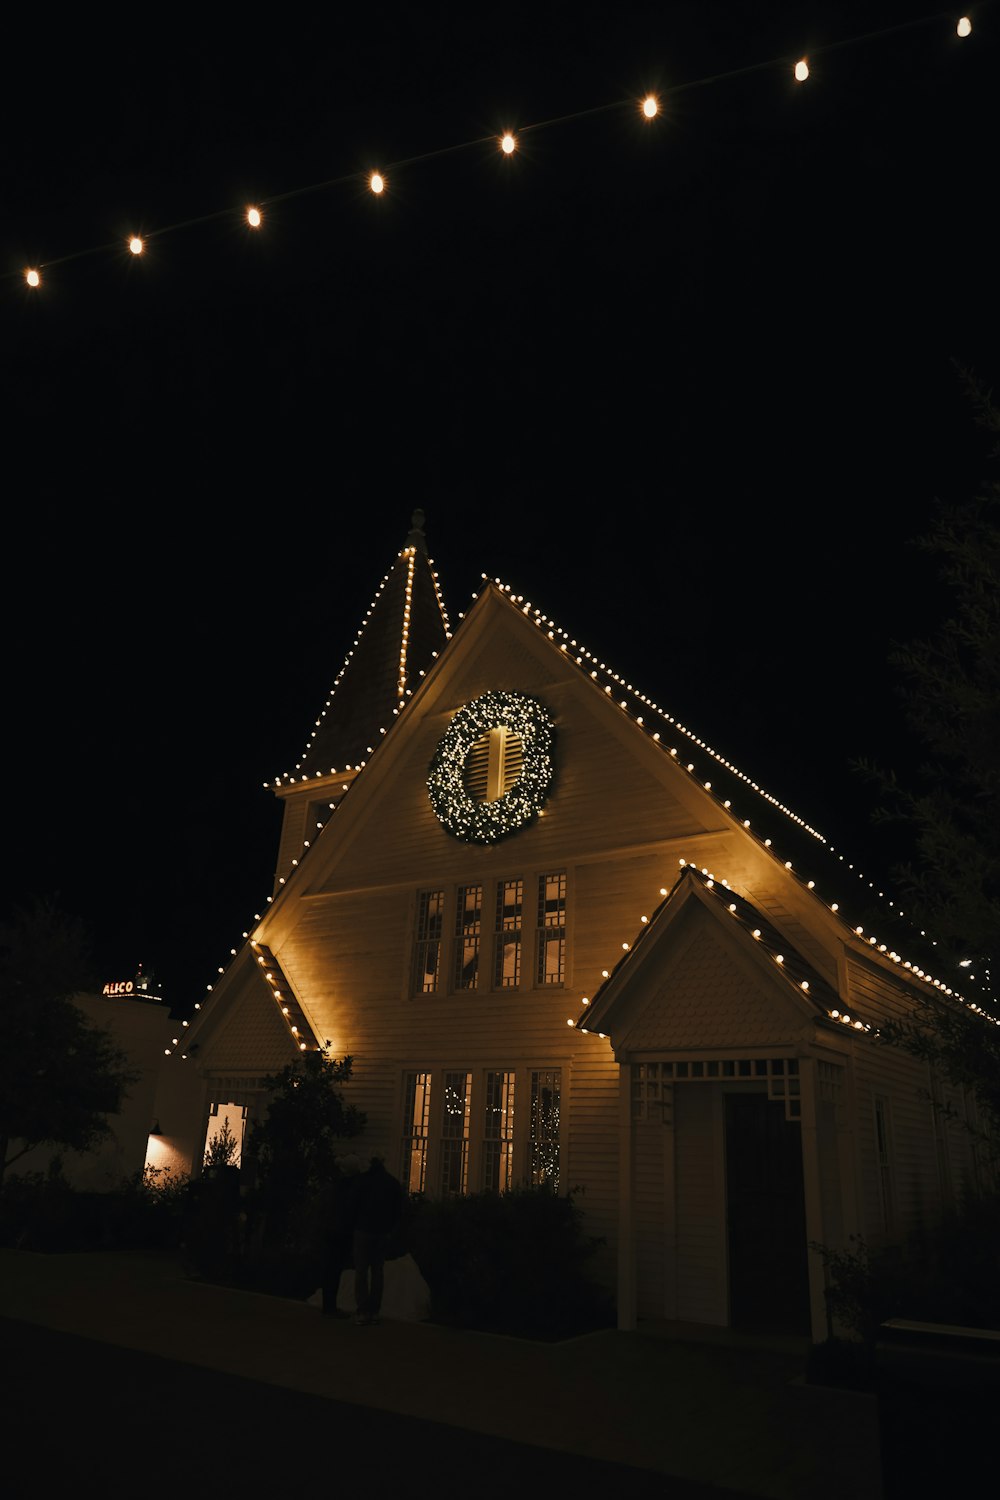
(60, 1075)
(293, 1148)
(950, 815)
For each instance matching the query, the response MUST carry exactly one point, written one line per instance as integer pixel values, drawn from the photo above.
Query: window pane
(427, 948)
(507, 960)
(468, 927)
(498, 1133)
(455, 1133)
(551, 937)
(416, 1117)
(543, 1162)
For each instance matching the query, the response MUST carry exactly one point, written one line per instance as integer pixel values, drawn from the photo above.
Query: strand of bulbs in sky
(377, 180)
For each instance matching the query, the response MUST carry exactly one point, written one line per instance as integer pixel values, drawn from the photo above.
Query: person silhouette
(378, 1212)
(338, 1204)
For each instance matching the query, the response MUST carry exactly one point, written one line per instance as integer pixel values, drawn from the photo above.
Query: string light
(486, 822)
(649, 106)
(535, 712)
(32, 278)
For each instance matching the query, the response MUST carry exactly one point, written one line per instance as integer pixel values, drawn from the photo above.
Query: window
(544, 1139)
(507, 939)
(478, 1142)
(468, 928)
(427, 956)
(226, 1130)
(416, 1114)
(551, 933)
(498, 1133)
(455, 1134)
(480, 937)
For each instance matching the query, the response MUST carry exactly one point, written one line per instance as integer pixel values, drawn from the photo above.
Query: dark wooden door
(765, 1204)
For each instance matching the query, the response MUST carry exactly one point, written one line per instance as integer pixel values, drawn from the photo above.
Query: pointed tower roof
(405, 627)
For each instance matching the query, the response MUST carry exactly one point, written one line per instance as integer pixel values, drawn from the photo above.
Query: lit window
(507, 940)
(543, 1145)
(551, 938)
(427, 954)
(224, 1137)
(498, 1133)
(468, 928)
(455, 1134)
(475, 1141)
(416, 1115)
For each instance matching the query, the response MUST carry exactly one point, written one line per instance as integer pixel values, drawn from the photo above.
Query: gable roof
(790, 969)
(848, 891)
(729, 789)
(405, 628)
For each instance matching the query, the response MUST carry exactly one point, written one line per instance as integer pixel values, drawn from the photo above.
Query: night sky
(688, 385)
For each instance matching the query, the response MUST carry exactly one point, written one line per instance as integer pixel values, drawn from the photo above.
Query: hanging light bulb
(508, 143)
(32, 278)
(135, 245)
(377, 182)
(801, 70)
(253, 218)
(964, 27)
(651, 106)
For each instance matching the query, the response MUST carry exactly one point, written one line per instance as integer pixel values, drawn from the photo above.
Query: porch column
(626, 1240)
(813, 1191)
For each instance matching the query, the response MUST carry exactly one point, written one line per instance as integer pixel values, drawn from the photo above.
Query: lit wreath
(486, 822)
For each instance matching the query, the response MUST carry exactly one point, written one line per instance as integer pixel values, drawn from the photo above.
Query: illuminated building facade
(566, 942)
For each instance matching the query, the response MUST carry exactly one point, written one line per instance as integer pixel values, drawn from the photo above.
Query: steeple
(405, 627)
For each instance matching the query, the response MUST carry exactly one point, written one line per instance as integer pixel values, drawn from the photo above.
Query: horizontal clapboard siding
(913, 1176)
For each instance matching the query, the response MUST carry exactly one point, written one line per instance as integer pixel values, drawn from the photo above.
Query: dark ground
(133, 1423)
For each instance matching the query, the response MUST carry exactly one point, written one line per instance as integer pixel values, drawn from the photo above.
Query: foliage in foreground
(948, 1273)
(44, 1212)
(515, 1263)
(291, 1153)
(950, 813)
(60, 1076)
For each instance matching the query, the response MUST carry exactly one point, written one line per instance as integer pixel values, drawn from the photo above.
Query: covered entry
(765, 1217)
(717, 1194)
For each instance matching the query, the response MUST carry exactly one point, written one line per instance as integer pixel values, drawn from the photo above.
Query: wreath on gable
(486, 822)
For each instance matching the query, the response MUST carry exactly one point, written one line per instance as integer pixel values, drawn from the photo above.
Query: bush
(948, 1273)
(45, 1213)
(511, 1263)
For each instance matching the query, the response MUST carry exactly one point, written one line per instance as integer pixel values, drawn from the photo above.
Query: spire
(416, 537)
(405, 627)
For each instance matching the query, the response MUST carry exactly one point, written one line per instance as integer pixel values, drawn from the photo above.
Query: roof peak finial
(416, 536)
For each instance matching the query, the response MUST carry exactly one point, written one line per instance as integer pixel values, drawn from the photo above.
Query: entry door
(765, 1203)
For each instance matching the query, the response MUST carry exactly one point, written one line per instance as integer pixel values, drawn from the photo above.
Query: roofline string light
(649, 108)
(832, 1013)
(402, 690)
(568, 645)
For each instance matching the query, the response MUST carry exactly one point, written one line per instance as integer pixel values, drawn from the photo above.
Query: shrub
(947, 1273)
(46, 1213)
(514, 1262)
